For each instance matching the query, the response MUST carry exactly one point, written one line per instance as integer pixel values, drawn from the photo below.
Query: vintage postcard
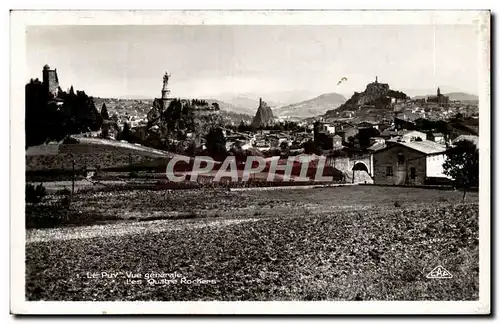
(250, 162)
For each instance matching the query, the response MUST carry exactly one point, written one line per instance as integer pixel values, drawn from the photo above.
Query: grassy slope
(346, 253)
(92, 152)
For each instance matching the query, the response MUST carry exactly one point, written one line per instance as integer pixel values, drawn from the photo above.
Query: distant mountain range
(274, 98)
(135, 97)
(311, 107)
(226, 106)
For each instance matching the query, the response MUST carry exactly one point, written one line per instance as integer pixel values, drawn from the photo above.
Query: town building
(409, 163)
(328, 128)
(440, 100)
(403, 124)
(437, 137)
(368, 124)
(348, 132)
(412, 136)
(402, 135)
(337, 142)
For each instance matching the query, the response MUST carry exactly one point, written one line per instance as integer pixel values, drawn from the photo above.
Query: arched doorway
(359, 168)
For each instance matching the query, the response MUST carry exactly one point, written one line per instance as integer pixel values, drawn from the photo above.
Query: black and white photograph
(279, 157)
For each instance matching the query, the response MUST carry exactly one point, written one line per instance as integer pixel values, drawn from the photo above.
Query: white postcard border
(21, 19)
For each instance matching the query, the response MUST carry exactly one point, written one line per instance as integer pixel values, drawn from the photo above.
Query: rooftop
(426, 147)
(471, 138)
(392, 132)
(377, 146)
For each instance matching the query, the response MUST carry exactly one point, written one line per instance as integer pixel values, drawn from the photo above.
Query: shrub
(35, 194)
(397, 204)
(65, 202)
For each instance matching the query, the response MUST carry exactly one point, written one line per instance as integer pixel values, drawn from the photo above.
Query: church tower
(439, 92)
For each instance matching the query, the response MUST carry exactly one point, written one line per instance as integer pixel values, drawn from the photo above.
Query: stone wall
(346, 164)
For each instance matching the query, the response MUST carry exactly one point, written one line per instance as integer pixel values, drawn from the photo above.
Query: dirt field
(343, 243)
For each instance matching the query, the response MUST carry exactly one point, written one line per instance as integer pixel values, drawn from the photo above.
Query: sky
(211, 61)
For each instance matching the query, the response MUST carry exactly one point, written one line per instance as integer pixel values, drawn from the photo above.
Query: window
(401, 159)
(388, 171)
(413, 173)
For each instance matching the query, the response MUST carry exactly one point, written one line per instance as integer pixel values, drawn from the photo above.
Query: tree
(125, 135)
(462, 165)
(216, 143)
(284, 146)
(310, 147)
(43, 118)
(104, 112)
(244, 127)
(47, 119)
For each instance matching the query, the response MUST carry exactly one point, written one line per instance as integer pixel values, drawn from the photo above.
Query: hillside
(245, 100)
(90, 152)
(312, 107)
(462, 96)
(243, 105)
(376, 98)
(236, 118)
(141, 107)
(229, 107)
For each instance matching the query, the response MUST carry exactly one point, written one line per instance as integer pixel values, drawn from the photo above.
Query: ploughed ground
(341, 243)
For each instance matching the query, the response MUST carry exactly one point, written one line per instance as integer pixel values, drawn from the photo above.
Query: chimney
(260, 102)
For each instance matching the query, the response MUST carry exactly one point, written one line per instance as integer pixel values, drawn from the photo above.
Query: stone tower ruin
(50, 80)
